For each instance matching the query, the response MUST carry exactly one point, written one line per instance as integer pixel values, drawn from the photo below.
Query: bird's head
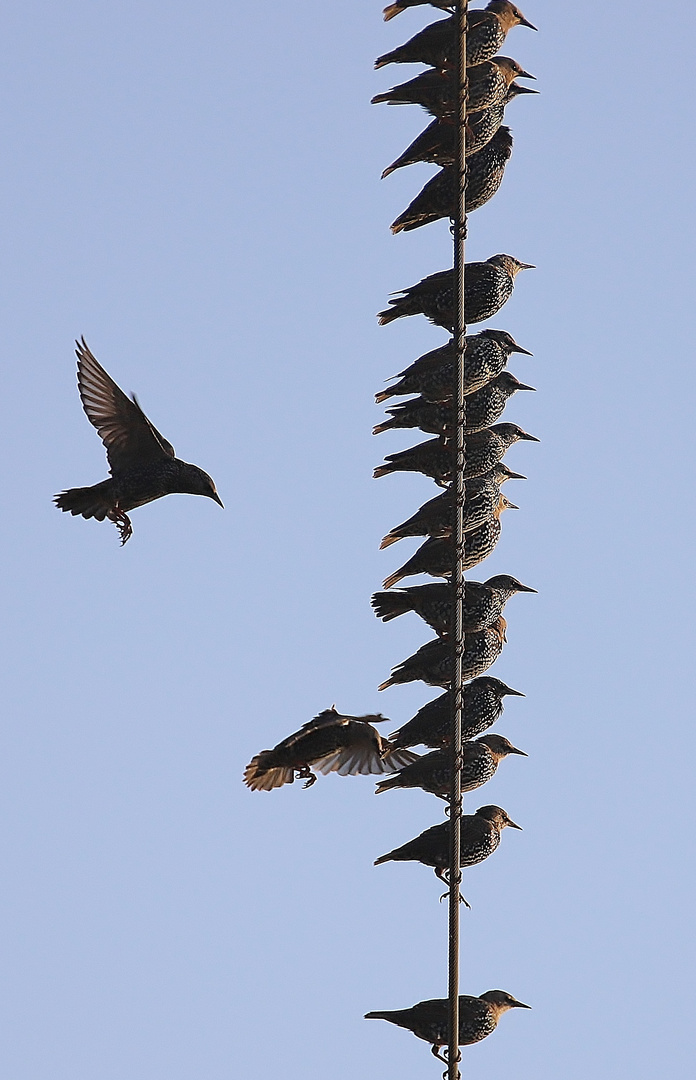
(514, 89)
(511, 69)
(499, 746)
(507, 583)
(497, 816)
(502, 1001)
(196, 482)
(508, 15)
(505, 340)
(503, 690)
(505, 504)
(512, 432)
(510, 384)
(510, 264)
(501, 473)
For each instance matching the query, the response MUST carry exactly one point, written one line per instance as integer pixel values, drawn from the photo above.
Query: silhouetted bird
(433, 663)
(480, 836)
(439, 417)
(432, 724)
(436, 92)
(438, 199)
(433, 374)
(435, 518)
(436, 555)
(142, 463)
(438, 43)
(331, 742)
(487, 286)
(434, 458)
(484, 602)
(484, 449)
(433, 772)
(429, 1020)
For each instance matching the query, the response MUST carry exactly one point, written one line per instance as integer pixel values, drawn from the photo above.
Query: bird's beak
(217, 499)
(511, 824)
(518, 348)
(525, 75)
(526, 588)
(515, 476)
(527, 266)
(521, 1005)
(514, 750)
(525, 89)
(529, 438)
(523, 386)
(511, 506)
(517, 693)
(526, 22)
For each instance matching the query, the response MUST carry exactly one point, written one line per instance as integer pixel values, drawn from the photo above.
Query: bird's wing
(362, 759)
(129, 437)
(395, 760)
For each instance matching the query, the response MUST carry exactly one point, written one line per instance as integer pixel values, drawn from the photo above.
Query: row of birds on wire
(350, 745)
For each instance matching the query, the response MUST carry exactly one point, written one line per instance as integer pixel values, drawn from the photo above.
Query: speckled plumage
(432, 375)
(438, 199)
(487, 286)
(480, 836)
(433, 772)
(429, 1020)
(484, 602)
(438, 43)
(432, 724)
(433, 662)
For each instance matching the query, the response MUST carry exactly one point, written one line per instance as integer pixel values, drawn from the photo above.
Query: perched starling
(429, 1020)
(331, 742)
(490, 81)
(439, 417)
(432, 724)
(480, 836)
(435, 517)
(436, 555)
(433, 772)
(438, 199)
(438, 43)
(484, 602)
(485, 406)
(487, 286)
(433, 374)
(434, 458)
(436, 91)
(433, 663)
(142, 463)
(437, 145)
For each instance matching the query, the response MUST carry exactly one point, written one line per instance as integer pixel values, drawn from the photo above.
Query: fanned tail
(90, 502)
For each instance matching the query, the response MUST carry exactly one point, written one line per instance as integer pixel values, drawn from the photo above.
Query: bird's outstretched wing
(129, 437)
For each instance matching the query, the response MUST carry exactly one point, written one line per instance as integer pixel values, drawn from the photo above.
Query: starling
(435, 517)
(487, 286)
(484, 602)
(432, 724)
(331, 742)
(480, 836)
(429, 1020)
(438, 199)
(485, 448)
(438, 43)
(433, 374)
(433, 663)
(142, 463)
(490, 81)
(439, 417)
(436, 555)
(436, 91)
(434, 458)
(437, 145)
(433, 772)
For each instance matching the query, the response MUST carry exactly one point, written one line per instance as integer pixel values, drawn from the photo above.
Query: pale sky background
(195, 188)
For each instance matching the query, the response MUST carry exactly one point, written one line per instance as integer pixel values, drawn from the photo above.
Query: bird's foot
(436, 1051)
(122, 523)
(445, 1058)
(306, 774)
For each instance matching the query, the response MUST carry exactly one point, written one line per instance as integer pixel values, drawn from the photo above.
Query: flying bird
(142, 463)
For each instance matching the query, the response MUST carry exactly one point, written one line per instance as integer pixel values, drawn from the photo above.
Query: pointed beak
(516, 693)
(526, 22)
(514, 750)
(523, 386)
(518, 348)
(515, 476)
(511, 824)
(521, 1005)
(525, 89)
(511, 506)
(525, 75)
(529, 438)
(525, 588)
(527, 266)
(217, 499)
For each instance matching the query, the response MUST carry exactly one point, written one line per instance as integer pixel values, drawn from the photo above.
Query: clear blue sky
(195, 188)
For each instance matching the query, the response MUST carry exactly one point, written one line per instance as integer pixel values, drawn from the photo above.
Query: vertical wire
(455, 874)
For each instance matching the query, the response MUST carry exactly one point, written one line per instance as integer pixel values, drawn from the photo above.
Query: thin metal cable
(455, 874)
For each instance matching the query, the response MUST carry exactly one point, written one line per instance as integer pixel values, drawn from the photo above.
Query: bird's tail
(387, 785)
(390, 538)
(385, 426)
(396, 577)
(383, 470)
(380, 1015)
(384, 394)
(391, 12)
(259, 777)
(389, 857)
(90, 502)
(389, 605)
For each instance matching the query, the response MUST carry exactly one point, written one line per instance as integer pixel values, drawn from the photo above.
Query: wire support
(455, 874)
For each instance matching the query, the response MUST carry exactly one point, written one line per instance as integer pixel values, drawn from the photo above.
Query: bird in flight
(142, 463)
